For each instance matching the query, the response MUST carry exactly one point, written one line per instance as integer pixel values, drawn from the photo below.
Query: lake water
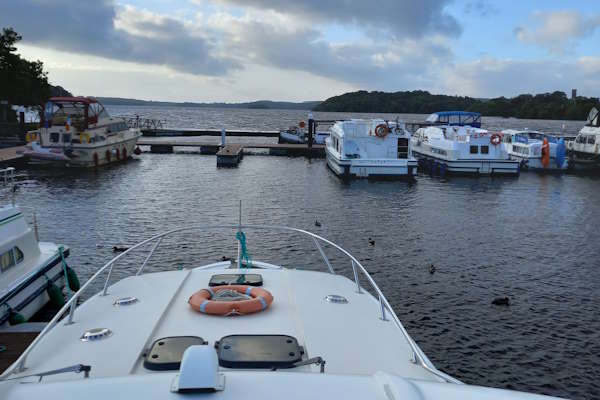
(534, 238)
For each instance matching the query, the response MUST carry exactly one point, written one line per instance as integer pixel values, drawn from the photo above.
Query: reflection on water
(533, 238)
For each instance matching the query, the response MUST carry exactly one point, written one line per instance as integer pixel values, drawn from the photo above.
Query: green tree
(22, 82)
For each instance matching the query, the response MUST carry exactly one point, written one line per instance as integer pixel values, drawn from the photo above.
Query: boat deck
(350, 337)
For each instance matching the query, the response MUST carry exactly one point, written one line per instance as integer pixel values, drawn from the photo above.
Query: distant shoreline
(258, 105)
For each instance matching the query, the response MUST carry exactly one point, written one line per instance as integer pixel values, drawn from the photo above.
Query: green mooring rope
(244, 256)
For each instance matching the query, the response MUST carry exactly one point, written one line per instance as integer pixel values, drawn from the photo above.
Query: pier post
(223, 137)
(22, 123)
(311, 131)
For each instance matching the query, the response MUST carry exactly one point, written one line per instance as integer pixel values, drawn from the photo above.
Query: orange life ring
(201, 300)
(302, 124)
(381, 130)
(495, 139)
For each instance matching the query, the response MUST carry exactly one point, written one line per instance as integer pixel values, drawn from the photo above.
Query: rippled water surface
(535, 238)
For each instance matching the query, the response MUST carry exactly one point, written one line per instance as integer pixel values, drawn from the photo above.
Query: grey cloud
(85, 28)
(401, 18)
(377, 66)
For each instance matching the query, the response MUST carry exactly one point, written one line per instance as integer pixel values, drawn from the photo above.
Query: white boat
(78, 132)
(455, 118)
(151, 336)
(536, 150)
(584, 151)
(28, 268)
(360, 148)
(462, 149)
(298, 135)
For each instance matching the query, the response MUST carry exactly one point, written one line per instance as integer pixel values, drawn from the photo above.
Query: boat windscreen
(593, 118)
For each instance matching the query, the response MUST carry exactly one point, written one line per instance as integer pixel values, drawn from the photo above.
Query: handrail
(418, 356)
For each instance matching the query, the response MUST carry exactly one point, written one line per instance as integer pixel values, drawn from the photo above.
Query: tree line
(554, 105)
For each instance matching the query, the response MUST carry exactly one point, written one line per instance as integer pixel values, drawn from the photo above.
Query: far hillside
(554, 105)
(260, 104)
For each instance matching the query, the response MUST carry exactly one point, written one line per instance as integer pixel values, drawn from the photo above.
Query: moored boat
(536, 150)
(375, 149)
(32, 273)
(299, 135)
(461, 149)
(78, 132)
(223, 330)
(584, 151)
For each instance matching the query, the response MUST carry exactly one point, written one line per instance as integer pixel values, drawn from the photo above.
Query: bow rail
(418, 357)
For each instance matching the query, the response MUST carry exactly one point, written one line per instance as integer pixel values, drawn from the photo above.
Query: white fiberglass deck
(350, 337)
(367, 356)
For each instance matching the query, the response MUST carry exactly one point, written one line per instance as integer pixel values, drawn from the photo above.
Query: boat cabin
(455, 118)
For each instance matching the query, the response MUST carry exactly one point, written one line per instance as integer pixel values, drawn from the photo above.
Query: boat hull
(30, 295)
(372, 169)
(116, 149)
(535, 164)
(472, 167)
(583, 161)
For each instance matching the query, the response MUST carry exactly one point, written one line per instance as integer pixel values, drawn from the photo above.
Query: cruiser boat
(78, 132)
(28, 268)
(584, 151)
(461, 149)
(223, 330)
(375, 148)
(536, 150)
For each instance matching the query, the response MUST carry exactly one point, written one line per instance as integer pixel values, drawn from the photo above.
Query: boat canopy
(79, 111)
(456, 118)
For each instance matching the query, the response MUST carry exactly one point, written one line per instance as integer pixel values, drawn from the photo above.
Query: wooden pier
(229, 155)
(207, 132)
(11, 156)
(207, 146)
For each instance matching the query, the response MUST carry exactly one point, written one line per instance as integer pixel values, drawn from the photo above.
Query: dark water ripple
(534, 239)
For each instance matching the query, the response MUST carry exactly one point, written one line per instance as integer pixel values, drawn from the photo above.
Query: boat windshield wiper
(315, 360)
(77, 368)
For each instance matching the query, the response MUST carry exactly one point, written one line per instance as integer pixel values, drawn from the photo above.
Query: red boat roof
(73, 99)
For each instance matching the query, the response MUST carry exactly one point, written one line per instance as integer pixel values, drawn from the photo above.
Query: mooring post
(311, 130)
(223, 136)
(22, 123)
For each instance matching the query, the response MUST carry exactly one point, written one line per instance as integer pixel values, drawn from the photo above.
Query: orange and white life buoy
(259, 301)
(381, 130)
(495, 139)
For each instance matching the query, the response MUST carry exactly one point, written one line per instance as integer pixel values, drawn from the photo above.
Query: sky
(297, 50)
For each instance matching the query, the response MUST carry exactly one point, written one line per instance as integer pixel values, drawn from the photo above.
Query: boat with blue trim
(536, 150)
(455, 143)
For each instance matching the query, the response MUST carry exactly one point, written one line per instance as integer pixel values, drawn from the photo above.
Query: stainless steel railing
(386, 311)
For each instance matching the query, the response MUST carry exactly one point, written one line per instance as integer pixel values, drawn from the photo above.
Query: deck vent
(125, 301)
(336, 298)
(95, 334)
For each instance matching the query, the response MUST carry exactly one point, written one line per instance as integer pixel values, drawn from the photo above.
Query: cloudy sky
(241, 50)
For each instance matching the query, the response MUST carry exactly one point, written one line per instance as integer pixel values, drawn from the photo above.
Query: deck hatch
(166, 353)
(258, 351)
(236, 279)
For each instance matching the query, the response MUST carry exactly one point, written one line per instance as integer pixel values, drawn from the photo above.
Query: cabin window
(54, 137)
(10, 258)
(591, 139)
(474, 149)
(485, 149)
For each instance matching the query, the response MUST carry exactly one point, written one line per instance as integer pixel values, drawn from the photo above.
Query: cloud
(268, 38)
(401, 18)
(557, 31)
(492, 77)
(121, 33)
